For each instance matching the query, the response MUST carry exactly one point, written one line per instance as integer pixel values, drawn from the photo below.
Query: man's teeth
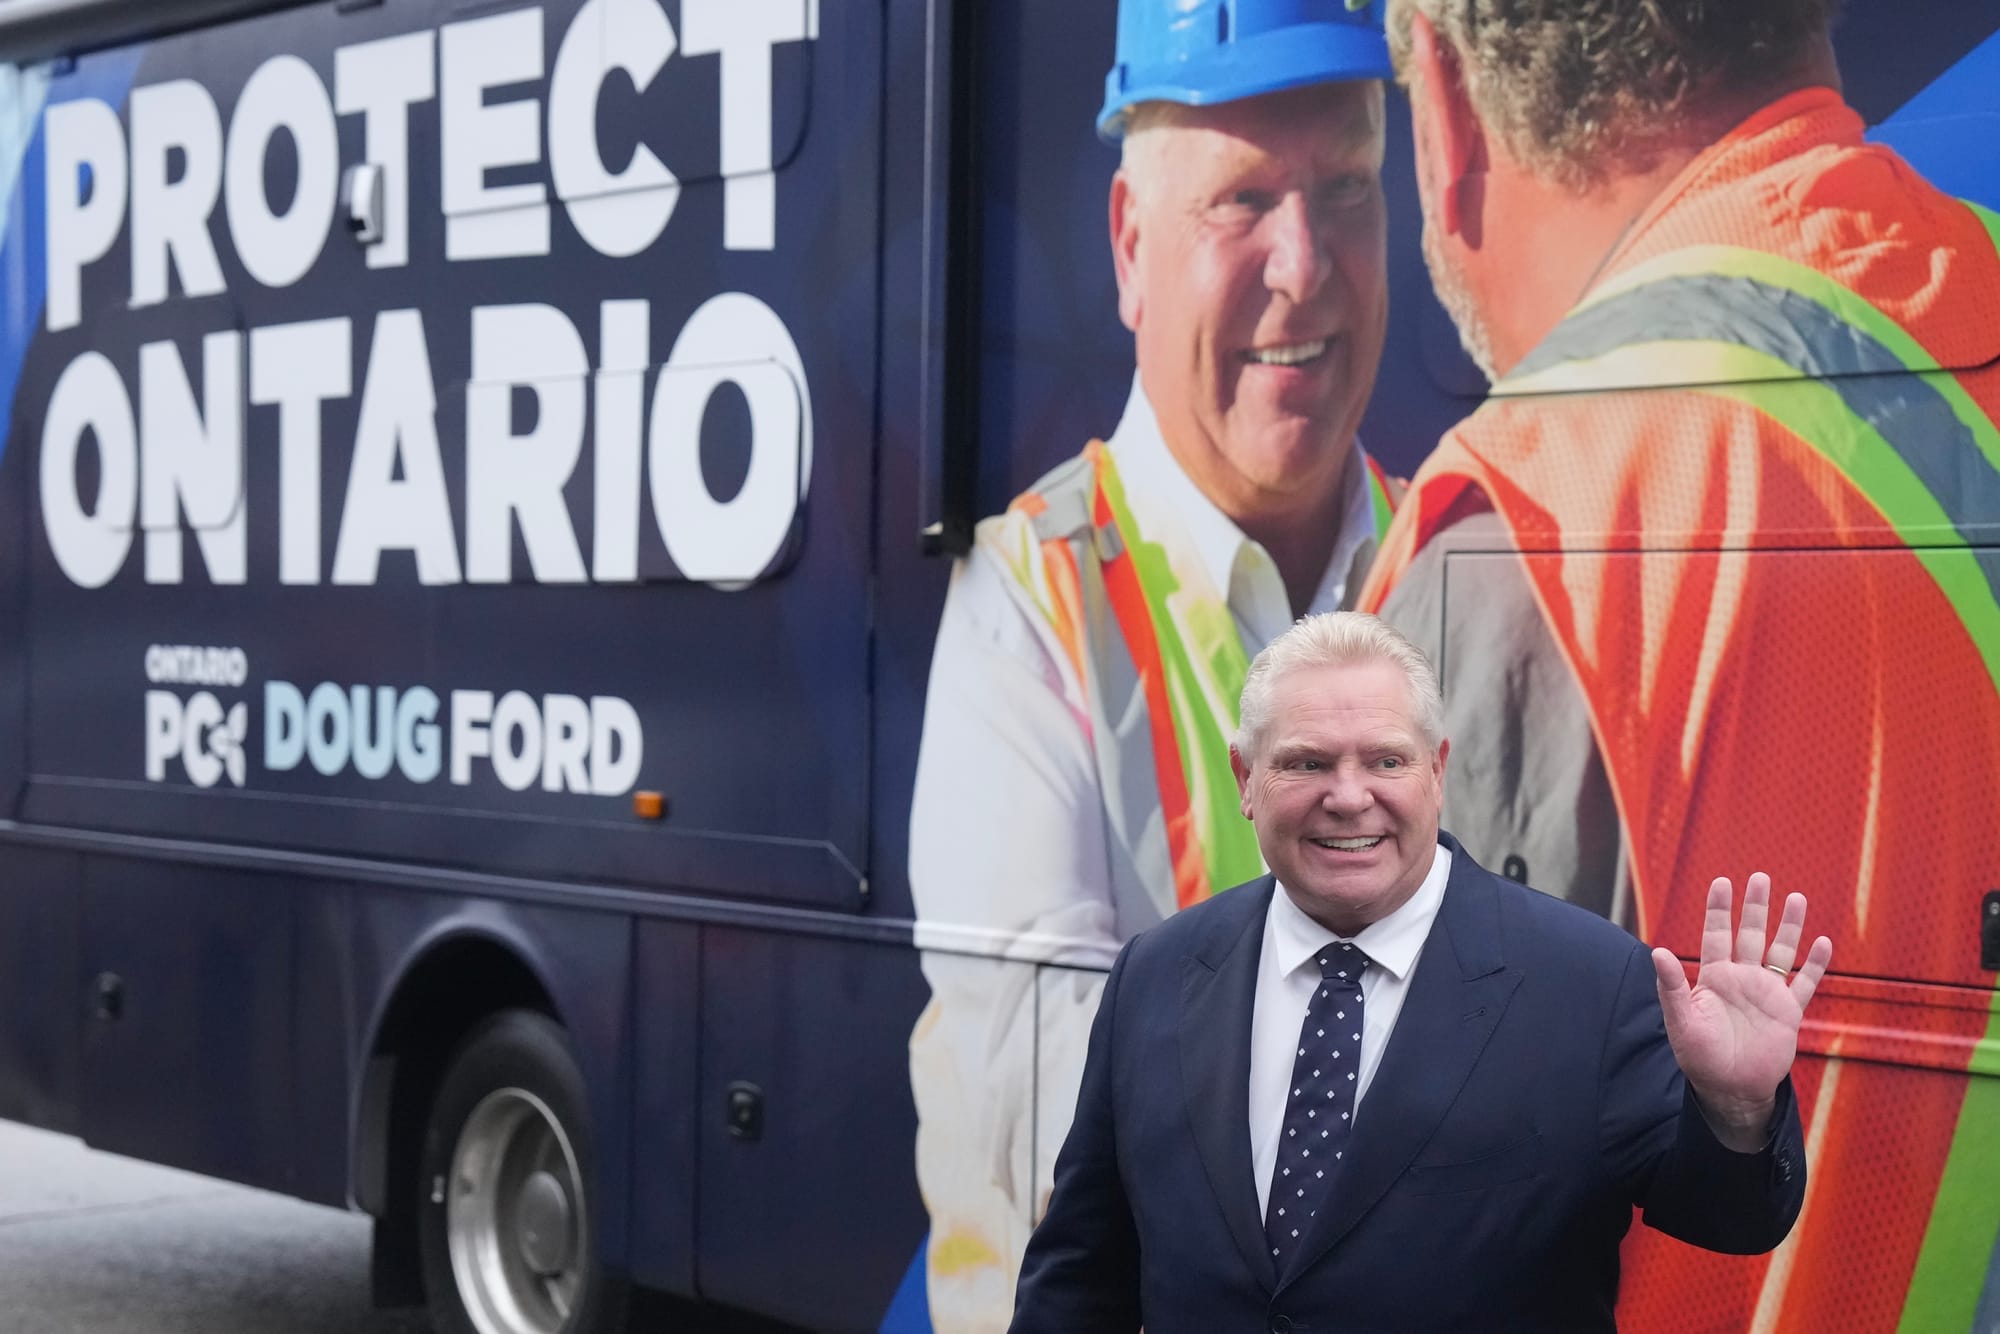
(1348, 844)
(1286, 356)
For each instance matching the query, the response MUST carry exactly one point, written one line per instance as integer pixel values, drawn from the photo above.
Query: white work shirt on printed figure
(1011, 866)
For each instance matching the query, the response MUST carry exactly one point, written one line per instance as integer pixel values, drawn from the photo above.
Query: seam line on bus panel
(650, 903)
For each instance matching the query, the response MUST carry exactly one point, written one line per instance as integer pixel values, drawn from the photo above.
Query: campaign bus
(479, 486)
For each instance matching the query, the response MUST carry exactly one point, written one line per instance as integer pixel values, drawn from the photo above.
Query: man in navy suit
(1383, 1089)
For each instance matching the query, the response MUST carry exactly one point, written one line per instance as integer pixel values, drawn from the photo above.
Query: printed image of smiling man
(1074, 783)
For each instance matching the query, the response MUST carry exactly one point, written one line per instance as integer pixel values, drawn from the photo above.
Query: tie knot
(1342, 962)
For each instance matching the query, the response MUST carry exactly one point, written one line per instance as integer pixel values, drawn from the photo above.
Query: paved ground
(91, 1243)
(95, 1244)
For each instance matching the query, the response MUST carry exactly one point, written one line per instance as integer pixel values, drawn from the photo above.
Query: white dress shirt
(1286, 979)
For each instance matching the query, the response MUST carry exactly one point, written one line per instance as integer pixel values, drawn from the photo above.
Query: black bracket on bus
(950, 400)
(744, 1115)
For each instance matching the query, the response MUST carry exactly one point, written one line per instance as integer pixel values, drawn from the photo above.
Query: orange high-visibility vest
(1760, 558)
(1161, 665)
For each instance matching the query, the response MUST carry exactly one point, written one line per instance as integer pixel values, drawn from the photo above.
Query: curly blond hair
(1576, 88)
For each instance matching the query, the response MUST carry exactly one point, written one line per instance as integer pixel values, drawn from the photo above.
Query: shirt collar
(1391, 944)
(1157, 486)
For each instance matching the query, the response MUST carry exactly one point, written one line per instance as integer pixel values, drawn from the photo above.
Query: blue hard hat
(1201, 52)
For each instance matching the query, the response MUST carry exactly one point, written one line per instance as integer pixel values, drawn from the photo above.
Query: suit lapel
(1218, 991)
(1460, 990)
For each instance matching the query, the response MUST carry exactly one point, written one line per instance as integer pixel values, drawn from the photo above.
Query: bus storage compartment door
(188, 1033)
(40, 975)
(816, 1220)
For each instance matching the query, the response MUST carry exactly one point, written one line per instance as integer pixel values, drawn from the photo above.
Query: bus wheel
(509, 1179)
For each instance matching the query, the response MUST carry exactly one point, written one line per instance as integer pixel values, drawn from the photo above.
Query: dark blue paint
(666, 1111)
(41, 997)
(196, 1070)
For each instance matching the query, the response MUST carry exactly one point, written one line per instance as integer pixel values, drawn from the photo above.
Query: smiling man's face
(1345, 792)
(1250, 247)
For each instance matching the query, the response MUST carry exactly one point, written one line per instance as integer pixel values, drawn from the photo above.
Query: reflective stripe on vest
(1192, 668)
(1380, 504)
(1823, 362)
(1183, 646)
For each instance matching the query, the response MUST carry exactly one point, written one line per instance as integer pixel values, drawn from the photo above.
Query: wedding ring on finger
(1781, 972)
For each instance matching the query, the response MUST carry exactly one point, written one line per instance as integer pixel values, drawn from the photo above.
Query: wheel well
(441, 999)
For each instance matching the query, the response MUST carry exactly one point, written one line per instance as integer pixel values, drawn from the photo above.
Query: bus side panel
(792, 1221)
(186, 1059)
(41, 987)
(447, 618)
(665, 1109)
(322, 1073)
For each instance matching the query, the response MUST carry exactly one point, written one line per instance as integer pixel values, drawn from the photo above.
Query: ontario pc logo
(205, 735)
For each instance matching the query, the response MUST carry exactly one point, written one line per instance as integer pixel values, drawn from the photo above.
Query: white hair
(1139, 151)
(1337, 639)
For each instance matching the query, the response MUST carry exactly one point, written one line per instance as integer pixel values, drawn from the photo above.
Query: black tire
(508, 1190)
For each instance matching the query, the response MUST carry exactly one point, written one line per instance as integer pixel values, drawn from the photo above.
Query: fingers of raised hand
(1756, 910)
(1806, 980)
(1715, 922)
(1784, 951)
(1673, 984)
(1668, 971)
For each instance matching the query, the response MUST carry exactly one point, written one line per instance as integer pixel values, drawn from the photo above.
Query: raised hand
(1736, 1030)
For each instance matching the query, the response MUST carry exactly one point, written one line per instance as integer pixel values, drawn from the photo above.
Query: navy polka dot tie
(1319, 1106)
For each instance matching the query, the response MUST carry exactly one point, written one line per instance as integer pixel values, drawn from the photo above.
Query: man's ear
(1451, 142)
(1241, 767)
(1125, 247)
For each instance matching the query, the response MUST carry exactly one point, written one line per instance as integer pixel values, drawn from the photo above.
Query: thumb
(1675, 997)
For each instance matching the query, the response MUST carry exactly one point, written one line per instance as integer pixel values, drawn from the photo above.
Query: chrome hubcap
(514, 1218)
(543, 1224)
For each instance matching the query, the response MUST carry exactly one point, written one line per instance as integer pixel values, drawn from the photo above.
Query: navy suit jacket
(1526, 1102)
